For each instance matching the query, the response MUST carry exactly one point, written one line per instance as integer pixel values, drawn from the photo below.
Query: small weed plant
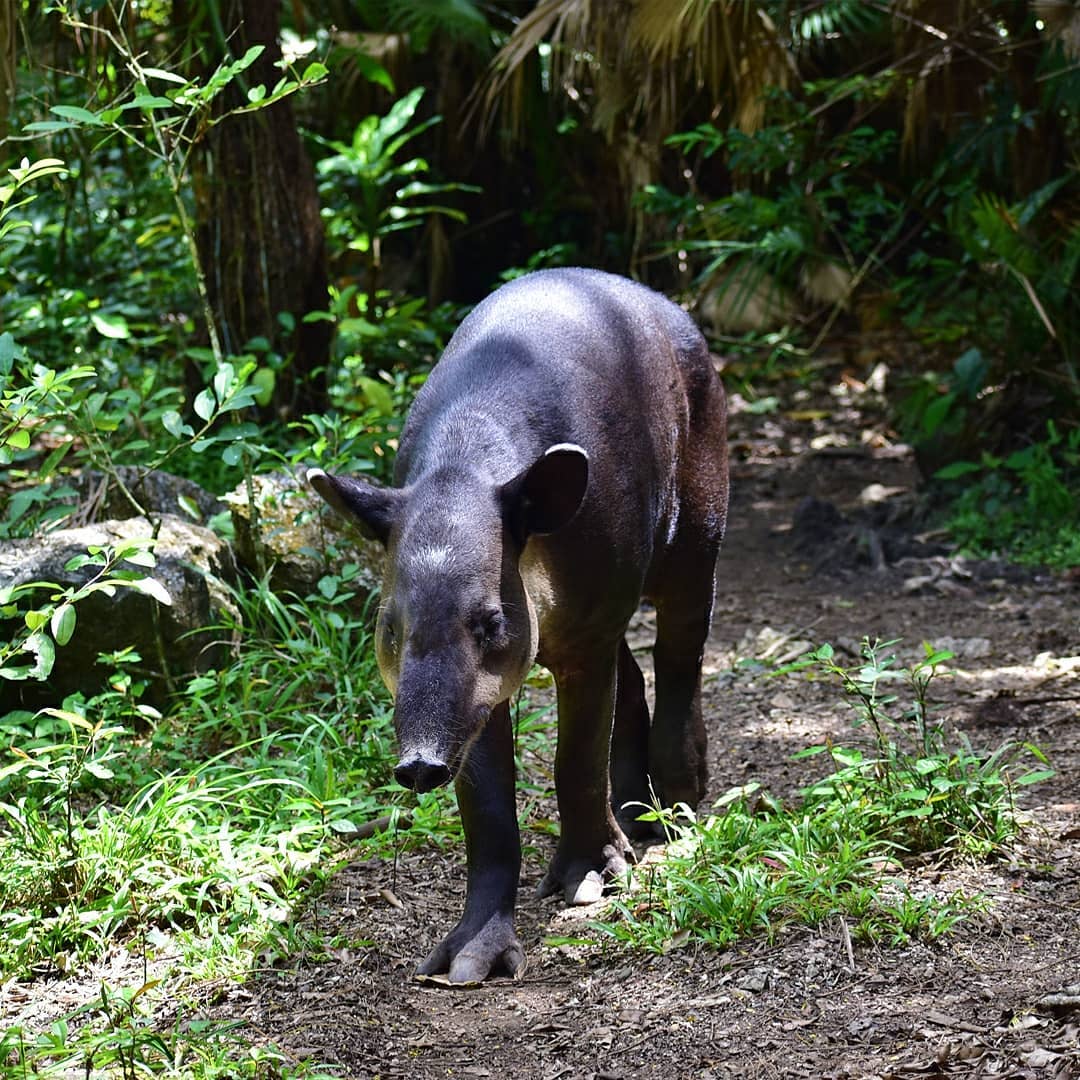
(116, 1035)
(921, 789)
(754, 865)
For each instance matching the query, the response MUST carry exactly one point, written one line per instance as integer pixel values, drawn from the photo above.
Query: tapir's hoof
(581, 882)
(459, 960)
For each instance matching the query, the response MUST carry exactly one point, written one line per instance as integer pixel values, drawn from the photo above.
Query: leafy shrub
(1023, 506)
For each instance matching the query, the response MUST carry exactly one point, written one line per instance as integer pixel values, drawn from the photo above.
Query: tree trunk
(260, 236)
(9, 11)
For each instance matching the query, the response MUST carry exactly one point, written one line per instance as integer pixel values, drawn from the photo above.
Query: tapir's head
(457, 630)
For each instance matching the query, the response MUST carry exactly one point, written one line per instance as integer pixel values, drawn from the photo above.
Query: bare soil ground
(820, 548)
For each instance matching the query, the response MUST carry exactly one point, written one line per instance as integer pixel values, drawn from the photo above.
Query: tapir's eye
(489, 629)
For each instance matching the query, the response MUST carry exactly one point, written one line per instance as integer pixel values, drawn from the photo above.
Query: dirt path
(793, 571)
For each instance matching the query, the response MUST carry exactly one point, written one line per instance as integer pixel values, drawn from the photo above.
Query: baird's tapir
(566, 457)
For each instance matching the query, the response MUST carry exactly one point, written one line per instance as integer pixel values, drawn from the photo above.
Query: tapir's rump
(565, 458)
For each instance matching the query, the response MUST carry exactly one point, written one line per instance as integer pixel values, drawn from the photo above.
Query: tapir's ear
(373, 507)
(548, 493)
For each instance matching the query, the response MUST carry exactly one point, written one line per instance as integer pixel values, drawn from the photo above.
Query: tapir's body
(566, 457)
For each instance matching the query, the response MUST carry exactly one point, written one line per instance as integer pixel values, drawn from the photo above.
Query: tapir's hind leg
(677, 739)
(630, 748)
(682, 587)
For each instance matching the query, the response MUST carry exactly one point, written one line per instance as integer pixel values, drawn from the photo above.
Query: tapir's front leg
(592, 848)
(484, 940)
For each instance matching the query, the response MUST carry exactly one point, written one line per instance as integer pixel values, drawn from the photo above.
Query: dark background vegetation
(867, 166)
(799, 173)
(234, 237)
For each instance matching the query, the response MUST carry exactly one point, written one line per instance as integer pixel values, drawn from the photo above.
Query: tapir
(565, 459)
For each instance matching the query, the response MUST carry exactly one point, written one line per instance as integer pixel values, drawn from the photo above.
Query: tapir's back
(566, 355)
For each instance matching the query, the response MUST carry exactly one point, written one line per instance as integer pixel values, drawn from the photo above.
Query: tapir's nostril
(421, 775)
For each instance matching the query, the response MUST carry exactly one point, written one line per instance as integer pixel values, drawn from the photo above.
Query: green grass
(755, 865)
(116, 1036)
(1023, 507)
(197, 832)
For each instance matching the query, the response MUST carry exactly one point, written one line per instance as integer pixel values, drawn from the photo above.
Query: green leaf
(102, 772)
(935, 413)
(47, 127)
(77, 115)
(174, 424)
(377, 394)
(110, 326)
(77, 562)
(62, 623)
(139, 557)
(45, 651)
(151, 587)
(149, 102)
(7, 351)
(315, 71)
(1036, 776)
(53, 460)
(205, 404)
(20, 439)
(224, 381)
(263, 383)
(164, 76)
(957, 468)
(373, 71)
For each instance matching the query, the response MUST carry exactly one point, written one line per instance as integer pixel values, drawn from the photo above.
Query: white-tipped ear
(545, 496)
(374, 508)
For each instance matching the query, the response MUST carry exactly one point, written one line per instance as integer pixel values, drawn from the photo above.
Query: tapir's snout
(422, 773)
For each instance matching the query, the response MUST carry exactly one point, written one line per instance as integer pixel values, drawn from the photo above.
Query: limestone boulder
(296, 538)
(193, 570)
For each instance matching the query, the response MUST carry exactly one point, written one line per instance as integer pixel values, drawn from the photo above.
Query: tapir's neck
(467, 438)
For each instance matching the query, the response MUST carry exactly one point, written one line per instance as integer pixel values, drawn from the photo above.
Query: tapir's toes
(578, 889)
(464, 958)
(580, 881)
(587, 891)
(420, 775)
(470, 968)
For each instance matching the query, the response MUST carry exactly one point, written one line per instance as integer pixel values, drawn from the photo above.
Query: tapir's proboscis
(565, 460)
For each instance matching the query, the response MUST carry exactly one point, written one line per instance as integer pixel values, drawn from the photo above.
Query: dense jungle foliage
(301, 224)
(235, 235)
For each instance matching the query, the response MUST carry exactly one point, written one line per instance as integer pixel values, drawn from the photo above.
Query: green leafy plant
(376, 192)
(117, 1034)
(164, 115)
(918, 788)
(754, 865)
(1022, 505)
(822, 204)
(30, 649)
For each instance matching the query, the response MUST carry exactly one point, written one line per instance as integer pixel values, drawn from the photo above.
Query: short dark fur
(566, 457)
